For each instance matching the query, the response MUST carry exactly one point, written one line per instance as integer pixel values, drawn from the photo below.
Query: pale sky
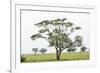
(29, 18)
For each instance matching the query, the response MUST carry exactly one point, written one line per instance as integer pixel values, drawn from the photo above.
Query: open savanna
(52, 57)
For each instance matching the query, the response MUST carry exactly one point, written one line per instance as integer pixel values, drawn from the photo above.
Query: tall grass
(52, 57)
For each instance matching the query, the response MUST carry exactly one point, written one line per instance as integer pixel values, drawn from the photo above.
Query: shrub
(43, 50)
(35, 50)
(71, 49)
(83, 49)
(22, 59)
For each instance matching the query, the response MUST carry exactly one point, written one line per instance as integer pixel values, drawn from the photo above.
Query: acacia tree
(57, 32)
(83, 49)
(35, 50)
(43, 50)
(71, 49)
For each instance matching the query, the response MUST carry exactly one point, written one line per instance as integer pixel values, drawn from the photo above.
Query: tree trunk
(58, 53)
(58, 57)
(35, 53)
(42, 52)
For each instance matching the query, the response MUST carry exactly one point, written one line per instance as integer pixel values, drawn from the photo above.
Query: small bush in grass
(35, 50)
(71, 49)
(22, 59)
(83, 49)
(43, 50)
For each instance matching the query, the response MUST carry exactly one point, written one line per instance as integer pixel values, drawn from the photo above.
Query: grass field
(52, 57)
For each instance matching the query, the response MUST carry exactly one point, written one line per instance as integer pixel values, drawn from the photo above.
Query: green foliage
(83, 49)
(35, 50)
(22, 59)
(77, 28)
(78, 41)
(43, 50)
(36, 36)
(43, 30)
(72, 49)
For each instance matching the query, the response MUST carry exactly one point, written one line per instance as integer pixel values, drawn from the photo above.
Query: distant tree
(68, 50)
(43, 50)
(78, 41)
(35, 50)
(83, 49)
(72, 49)
(57, 32)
